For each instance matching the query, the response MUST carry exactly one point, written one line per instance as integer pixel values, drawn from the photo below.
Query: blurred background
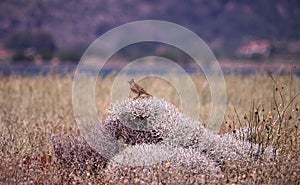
(38, 35)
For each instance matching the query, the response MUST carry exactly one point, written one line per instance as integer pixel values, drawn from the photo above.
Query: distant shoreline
(228, 67)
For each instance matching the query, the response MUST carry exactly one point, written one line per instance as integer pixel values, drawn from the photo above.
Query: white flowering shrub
(144, 120)
(195, 161)
(158, 132)
(150, 155)
(153, 137)
(143, 155)
(185, 133)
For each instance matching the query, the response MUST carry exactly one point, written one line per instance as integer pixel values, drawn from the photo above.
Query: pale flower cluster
(157, 132)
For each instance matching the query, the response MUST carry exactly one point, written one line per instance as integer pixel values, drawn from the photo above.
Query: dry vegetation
(40, 143)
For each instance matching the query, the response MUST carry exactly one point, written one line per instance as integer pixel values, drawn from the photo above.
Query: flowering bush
(73, 152)
(151, 132)
(155, 121)
(144, 120)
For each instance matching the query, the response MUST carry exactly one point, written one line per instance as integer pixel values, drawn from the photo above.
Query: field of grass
(39, 140)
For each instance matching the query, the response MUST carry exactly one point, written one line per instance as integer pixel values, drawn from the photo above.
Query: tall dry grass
(262, 109)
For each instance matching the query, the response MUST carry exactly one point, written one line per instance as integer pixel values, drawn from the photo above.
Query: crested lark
(137, 89)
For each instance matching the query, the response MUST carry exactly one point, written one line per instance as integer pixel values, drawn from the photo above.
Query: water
(69, 69)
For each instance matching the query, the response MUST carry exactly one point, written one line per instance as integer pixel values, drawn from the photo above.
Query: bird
(137, 89)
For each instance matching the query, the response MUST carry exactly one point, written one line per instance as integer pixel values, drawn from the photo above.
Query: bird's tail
(148, 94)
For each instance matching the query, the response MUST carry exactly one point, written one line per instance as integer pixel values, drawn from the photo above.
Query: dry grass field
(35, 109)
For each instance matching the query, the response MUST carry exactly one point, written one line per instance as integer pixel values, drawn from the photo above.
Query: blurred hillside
(226, 25)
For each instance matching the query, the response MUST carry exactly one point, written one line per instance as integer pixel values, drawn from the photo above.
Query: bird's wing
(141, 89)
